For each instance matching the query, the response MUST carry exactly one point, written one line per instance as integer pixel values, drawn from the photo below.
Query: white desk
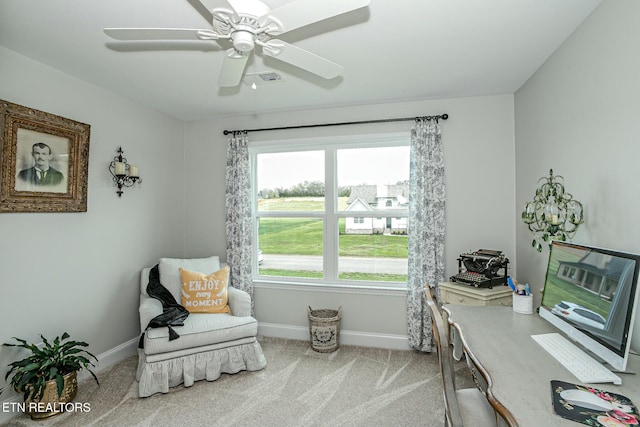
(518, 370)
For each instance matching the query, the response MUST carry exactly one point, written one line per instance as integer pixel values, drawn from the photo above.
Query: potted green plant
(47, 378)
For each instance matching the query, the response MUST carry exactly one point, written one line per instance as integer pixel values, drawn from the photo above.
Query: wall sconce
(124, 174)
(553, 214)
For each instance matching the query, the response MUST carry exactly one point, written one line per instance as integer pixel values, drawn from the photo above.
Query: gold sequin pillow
(205, 293)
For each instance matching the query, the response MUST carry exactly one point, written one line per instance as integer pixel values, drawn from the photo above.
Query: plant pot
(50, 404)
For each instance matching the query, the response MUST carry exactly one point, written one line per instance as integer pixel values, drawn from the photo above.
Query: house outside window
(332, 212)
(387, 198)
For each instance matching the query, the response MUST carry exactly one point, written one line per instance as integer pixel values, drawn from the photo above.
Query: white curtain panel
(426, 228)
(238, 214)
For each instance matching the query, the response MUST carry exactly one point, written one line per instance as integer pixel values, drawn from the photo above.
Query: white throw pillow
(169, 269)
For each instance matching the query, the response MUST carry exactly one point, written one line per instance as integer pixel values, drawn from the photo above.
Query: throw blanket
(173, 314)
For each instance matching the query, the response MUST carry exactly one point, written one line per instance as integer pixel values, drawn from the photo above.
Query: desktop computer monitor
(590, 294)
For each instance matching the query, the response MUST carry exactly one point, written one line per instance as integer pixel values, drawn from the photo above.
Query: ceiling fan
(247, 23)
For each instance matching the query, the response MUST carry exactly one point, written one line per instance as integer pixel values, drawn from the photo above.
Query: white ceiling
(392, 50)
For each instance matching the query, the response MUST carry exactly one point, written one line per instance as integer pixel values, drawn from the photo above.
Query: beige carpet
(353, 386)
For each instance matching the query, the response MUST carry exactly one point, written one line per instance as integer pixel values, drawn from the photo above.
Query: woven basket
(50, 403)
(324, 329)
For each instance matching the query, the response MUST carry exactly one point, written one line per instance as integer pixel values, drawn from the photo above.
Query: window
(332, 212)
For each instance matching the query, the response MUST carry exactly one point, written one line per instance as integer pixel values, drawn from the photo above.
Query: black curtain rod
(436, 118)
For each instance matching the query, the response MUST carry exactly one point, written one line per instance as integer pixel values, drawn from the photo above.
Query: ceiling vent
(262, 78)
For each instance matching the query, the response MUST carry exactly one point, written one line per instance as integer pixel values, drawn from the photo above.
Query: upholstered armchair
(208, 344)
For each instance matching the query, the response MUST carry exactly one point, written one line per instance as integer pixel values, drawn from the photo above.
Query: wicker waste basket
(324, 328)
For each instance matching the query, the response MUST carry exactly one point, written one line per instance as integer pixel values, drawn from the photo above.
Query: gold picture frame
(32, 141)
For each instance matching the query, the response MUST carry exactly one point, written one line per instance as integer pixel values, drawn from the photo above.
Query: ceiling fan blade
(249, 7)
(160, 34)
(213, 4)
(302, 59)
(239, 6)
(232, 68)
(299, 13)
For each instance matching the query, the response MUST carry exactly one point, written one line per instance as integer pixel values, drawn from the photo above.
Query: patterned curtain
(238, 217)
(426, 227)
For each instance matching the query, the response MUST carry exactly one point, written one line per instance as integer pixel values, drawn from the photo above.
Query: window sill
(364, 289)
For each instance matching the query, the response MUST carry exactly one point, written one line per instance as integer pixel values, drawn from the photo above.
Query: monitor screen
(590, 294)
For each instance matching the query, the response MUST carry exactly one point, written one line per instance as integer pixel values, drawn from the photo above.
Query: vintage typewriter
(483, 268)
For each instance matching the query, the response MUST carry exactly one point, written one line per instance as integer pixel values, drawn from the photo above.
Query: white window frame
(330, 216)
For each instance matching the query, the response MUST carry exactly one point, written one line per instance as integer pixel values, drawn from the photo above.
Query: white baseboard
(105, 360)
(112, 356)
(363, 339)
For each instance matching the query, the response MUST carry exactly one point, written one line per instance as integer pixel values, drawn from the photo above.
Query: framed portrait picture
(44, 161)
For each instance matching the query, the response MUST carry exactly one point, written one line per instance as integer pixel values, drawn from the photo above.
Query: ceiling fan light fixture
(244, 41)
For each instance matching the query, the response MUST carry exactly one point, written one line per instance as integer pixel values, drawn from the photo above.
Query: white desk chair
(463, 407)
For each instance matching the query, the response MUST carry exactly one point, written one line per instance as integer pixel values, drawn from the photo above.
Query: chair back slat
(441, 338)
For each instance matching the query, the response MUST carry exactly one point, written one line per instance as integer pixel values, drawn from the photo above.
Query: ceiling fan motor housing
(243, 40)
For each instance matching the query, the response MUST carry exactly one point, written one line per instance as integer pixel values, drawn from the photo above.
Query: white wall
(578, 114)
(479, 154)
(87, 284)
(87, 280)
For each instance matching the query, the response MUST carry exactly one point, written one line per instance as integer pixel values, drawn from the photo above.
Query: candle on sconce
(123, 173)
(119, 168)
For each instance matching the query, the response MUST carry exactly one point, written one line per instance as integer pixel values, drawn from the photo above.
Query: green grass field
(303, 236)
(378, 277)
(299, 204)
